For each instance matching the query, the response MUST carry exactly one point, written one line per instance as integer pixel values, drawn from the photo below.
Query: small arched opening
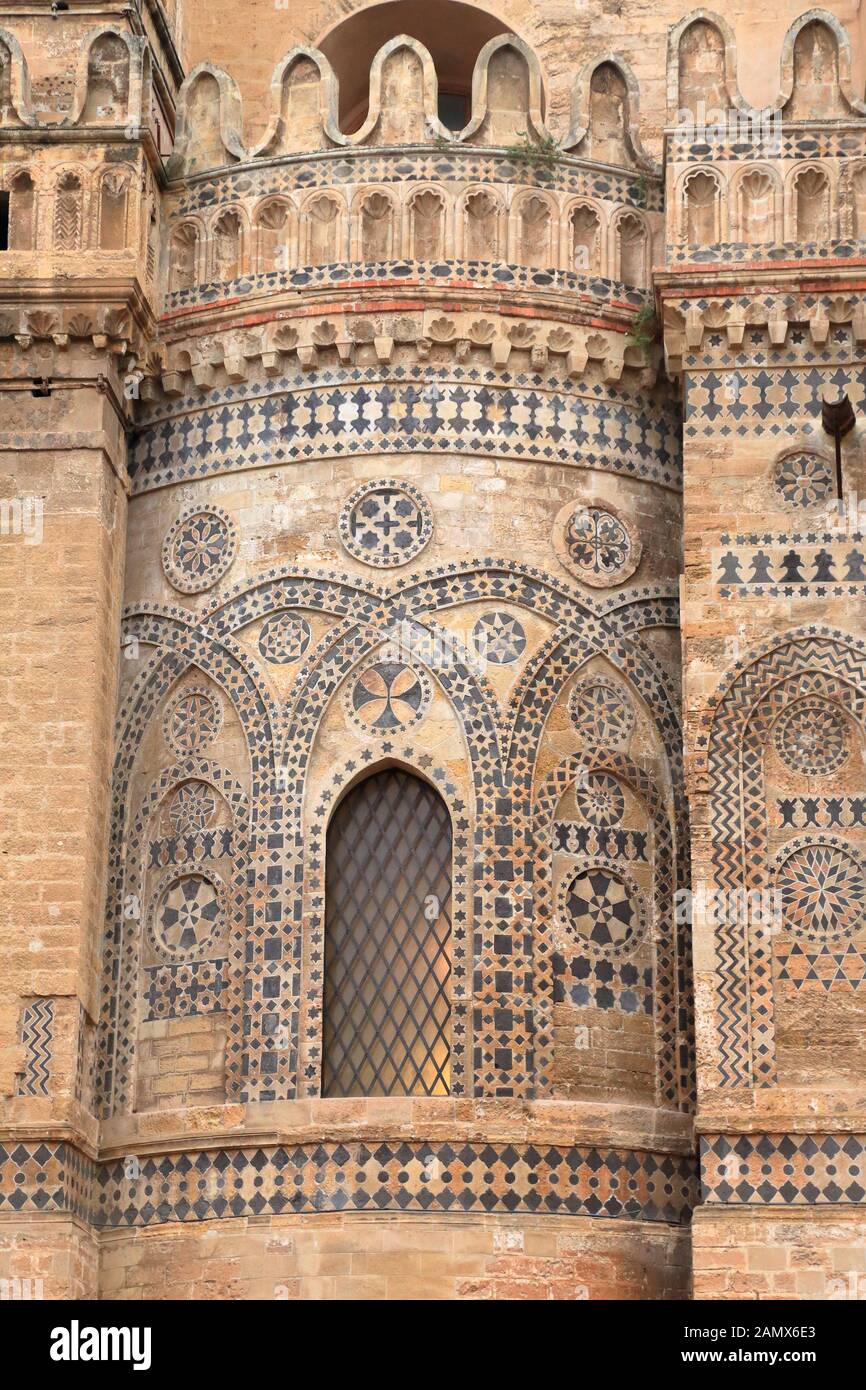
(387, 1011)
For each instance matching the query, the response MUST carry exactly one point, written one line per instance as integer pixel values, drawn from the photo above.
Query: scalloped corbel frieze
(307, 338)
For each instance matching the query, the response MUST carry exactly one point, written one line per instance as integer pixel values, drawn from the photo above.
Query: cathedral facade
(434, 688)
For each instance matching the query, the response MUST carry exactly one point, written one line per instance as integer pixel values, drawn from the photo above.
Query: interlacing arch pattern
(285, 893)
(673, 1080)
(807, 661)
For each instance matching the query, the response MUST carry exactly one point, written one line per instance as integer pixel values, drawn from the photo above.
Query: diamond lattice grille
(387, 934)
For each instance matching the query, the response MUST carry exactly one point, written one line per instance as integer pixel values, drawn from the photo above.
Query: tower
(433, 402)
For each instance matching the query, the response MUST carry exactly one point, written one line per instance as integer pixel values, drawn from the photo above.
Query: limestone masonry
(433, 681)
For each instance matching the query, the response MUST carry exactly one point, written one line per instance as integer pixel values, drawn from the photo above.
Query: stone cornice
(111, 316)
(340, 333)
(690, 309)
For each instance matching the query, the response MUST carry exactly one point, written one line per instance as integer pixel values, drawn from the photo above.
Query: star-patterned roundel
(601, 713)
(498, 638)
(387, 695)
(600, 800)
(821, 889)
(811, 737)
(386, 523)
(601, 910)
(199, 548)
(284, 637)
(192, 808)
(192, 720)
(803, 479)
(187, 915)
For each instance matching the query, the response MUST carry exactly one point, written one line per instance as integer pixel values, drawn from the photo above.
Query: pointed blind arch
(388, 941)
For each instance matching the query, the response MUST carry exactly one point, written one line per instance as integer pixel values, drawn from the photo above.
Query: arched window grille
(387, 941)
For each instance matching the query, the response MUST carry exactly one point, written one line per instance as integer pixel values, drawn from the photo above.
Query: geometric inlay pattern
(186, 914)
(284, 637)
(37, 1039)
(199, 548)
(192, 807)
(598, 982)
(188, 990)
(600, 908)
(600, 800)
(276, 950)
(791, 565)
(822, 890)
(803, 480)
(192, 720)
(572, 837)
(822, 970)
(386, 523)
(811, 737)
(784, 1169)
(813, 662)
(596, 545)
(388, 929)
(498, 637)
(441, 1175)
(352, 412)
(601, 713)
(387, 695)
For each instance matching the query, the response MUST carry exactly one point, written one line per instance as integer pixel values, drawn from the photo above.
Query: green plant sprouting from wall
(545, 155)
(645, 328)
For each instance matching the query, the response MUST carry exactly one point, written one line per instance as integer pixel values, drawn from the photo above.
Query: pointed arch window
(388, 941)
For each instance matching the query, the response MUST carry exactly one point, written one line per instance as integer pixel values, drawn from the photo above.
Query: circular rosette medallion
(821, 887)
(284, 637)
(600, 800)
(187, 915)
(803, 479)
(498, 638)
(192, 808)
(811, 737)
(387, 695)
(595, 544)
(198, 549)
(601, 909)
(601, 713)
(192, 720)
(386, 523)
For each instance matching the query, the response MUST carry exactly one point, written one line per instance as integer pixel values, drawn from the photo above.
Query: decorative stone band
(471, 167)
(394, 327)
(777, 330)
(772, 140)
(799, 565)
(783, 1169)
(351, 413)
(445, 274)
(462, 1178)
(776, 253)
